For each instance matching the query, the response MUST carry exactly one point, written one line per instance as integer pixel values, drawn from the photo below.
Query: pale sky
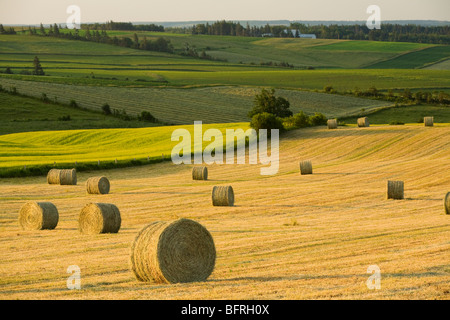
(51, 11)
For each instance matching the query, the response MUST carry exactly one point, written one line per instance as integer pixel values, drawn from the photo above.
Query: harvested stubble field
(287, 237)
(181, 106)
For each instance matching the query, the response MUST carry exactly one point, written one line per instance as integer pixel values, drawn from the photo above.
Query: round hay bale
(98, 218)
(200, 173)
(306, 167)
(223, 196)
(332, 124)
(53, 176)
(97, 185)
(428, 121)
(38, 216)
(447, 203)
(173, 252)
(363, 122)
(68, 177)
(395, 190)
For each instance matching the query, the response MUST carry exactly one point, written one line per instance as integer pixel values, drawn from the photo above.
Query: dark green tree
(147, 116)
(163, 45)
(125, 42)
(301, 120)
(44, 98)
(56, 30)
(97, 36)
(73, 104)
(318, 119)
(42, 30)
(267, 102)
(37, 68)
(135, 41)
(88, 35)
(144, 44)
(266, 121)
(106, 109)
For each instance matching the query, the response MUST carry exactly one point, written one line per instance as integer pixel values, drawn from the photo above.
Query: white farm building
(307, 36)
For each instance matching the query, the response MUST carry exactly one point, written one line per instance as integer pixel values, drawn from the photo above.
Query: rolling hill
(287, 237)
(26, 114)
(221, 104)
(70, 146)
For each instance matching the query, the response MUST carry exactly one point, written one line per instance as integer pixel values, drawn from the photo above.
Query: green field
(184, 106)
(342, 80)
(88, 63)
(416, 59)
(406, 114)
(181, 90)
(288, 236)
(66, 147)
(318, 53)
(63, 55)
(93, 63)
(22, 114)
(373, 46)
(443, 65)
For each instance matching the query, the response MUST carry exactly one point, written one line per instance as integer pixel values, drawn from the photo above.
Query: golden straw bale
(173, 252)
(200, 173)
(306, 167)
(98, 218)
(223, 196)
(98, 185)
(38, 216)
(395, 190)
(332, 124)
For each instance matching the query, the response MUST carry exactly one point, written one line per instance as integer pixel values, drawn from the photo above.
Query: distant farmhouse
(307, 36)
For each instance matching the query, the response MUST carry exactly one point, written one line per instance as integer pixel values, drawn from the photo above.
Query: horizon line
(228, 20)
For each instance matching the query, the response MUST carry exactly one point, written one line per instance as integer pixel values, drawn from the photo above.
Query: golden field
(287, 237)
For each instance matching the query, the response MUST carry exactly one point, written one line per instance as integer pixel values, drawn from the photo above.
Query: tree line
(272, 112)
(388, 32)
(7, 31)
(160, 44)
(99, 35)
(124, 26)
(404, 96)
(229, 28)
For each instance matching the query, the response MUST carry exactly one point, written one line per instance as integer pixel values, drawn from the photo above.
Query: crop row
(181, 106)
